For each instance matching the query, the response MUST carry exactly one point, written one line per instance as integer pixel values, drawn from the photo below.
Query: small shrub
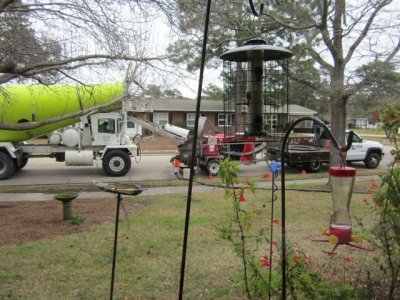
(78, 220)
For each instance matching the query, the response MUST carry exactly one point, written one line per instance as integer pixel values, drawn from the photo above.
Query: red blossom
(265, 262)
(242, 198)
(297, 258)
(276, 221)
(348, 259)
(377, 114)
(267, 176)
(374, 184)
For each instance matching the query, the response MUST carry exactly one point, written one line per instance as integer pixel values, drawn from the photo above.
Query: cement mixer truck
(82, 141)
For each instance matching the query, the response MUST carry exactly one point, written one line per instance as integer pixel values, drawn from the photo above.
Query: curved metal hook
(253, 9)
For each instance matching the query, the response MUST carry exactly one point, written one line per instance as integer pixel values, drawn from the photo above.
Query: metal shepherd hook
(342, 149)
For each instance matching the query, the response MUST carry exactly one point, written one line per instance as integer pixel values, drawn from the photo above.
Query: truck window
(356, 138)
(106, 125)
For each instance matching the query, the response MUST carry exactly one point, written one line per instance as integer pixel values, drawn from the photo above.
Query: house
(182, 112)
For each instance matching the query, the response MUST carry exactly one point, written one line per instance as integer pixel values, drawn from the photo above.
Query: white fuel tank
(79, 158)
(70, 137)
(55, 138)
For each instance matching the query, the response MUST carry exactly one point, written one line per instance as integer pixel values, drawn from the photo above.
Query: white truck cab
(370, 152)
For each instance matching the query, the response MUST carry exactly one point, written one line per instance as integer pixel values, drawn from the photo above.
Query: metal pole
(193, 159)
(115, 247)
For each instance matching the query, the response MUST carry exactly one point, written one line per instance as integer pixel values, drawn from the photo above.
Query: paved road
(151, 167)
(47, 171)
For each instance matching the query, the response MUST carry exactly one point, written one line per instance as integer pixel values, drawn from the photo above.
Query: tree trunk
(338, 101)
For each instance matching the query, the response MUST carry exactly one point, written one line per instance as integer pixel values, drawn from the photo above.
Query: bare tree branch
(66, 64)
(367, 27)
(4, 4)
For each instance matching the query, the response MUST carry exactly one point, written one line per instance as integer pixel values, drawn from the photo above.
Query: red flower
(209, 177)
(274, 243)
(348, 259)
(242, 198)
(276, 221)
(374, 184)
(267, 176)
(377, 114)
(378, 203)
(265, 262)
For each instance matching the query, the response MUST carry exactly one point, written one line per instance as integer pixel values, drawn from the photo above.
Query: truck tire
(313, 167)
(7, 166)
(372, 160)
(213, 167)
(116, 163)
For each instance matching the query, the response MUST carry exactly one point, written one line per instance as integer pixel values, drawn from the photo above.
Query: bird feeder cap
(342, 172)
(243, 53)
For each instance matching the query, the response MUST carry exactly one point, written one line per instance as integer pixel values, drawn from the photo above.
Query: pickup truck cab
(312, 153)
(370, 152)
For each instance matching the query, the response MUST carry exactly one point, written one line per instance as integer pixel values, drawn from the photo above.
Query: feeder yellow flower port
(356, 238)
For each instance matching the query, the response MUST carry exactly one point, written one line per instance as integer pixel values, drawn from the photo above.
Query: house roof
(182, 105)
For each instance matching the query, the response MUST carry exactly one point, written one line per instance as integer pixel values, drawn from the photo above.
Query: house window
(160, 118)
(225, 120)
(190, 118)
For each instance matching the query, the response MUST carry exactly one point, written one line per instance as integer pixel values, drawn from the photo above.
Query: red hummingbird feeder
(342, 182)
(340, 229)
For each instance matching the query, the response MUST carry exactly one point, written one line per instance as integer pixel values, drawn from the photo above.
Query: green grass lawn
(78, 266)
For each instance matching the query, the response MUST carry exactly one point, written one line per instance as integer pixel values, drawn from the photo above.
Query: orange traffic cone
(303, 172)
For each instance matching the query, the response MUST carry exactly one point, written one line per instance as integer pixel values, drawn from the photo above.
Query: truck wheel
(314, 167)
(372, 161)
(213, 167)
(7, 166)
(116, 163)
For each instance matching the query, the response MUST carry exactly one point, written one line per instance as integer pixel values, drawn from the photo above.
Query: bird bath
(66, 199)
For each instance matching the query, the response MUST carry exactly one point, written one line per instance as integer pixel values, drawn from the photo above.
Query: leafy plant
(77, 220)
(250, 236)
(390, 118)
(239, 233)
(387, 229)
